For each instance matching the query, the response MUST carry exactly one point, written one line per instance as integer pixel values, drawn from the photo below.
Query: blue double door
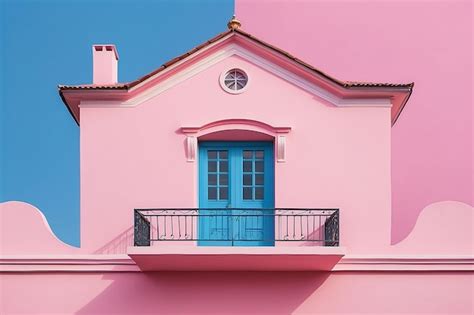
(236, 194)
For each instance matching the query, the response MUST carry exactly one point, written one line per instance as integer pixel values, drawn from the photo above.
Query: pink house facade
(238, 179)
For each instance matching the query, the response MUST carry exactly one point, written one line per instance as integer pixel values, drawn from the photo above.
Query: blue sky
(46, 43)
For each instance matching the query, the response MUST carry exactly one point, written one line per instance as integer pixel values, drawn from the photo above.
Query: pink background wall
(428, 42)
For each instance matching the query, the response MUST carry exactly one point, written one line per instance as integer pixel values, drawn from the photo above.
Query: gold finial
(233, 23)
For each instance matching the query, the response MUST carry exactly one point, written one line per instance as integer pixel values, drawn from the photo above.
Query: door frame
(233, 195)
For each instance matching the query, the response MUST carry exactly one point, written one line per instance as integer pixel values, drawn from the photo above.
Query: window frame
(223, 76)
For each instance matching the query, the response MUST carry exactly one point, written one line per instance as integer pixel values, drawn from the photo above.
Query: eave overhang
(399, 94)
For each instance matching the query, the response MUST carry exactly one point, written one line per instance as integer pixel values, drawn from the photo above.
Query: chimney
(105, 64)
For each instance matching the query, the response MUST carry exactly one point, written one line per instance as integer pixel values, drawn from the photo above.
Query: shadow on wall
(205, 292)
(119, 244)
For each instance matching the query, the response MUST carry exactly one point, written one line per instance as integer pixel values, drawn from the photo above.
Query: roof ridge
(130, 84)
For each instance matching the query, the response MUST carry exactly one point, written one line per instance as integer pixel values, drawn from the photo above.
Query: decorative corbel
(281, 148)
(191, 146)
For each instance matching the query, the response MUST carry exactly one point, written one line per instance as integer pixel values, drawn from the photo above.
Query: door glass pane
(223, 166)
(259, 193)
(248, 154)
(212, 166)
(248, 179)
(253, 174)
(223, 179)
(212, 193)
(212, 179)
(217, 177)
(247, 166)
(223, 193)
(247, 192)
(258, 166)
(212, 155)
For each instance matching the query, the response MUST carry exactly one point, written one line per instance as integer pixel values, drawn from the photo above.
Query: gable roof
(405, 88)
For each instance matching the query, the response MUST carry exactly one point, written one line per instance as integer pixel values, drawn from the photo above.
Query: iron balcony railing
(236, 225)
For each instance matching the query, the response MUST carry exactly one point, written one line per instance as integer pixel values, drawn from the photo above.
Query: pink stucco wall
(134, 157)
(431, 219)
(435, 233)
(35, 236)
(239, 293)
(428, 42)
(338, 292)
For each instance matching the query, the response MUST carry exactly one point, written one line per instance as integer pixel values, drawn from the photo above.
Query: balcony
(236, 239)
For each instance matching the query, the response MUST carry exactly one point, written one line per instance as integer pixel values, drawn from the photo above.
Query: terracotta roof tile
(405, 88)
(344, 84)
(375, 84)
(93, 87)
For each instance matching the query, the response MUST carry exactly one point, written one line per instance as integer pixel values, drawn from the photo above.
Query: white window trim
(224, 86)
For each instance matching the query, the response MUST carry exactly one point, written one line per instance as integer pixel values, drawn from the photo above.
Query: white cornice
(123, 263)
(221, 54)
(406, 263)
(67, 263)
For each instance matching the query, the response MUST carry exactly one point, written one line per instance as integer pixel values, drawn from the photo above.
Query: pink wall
(428, 42)
(431, 167)
(24, 230)
(109, 158)
(134, 157)
(238, 293)
(445, 228)
(442, 229)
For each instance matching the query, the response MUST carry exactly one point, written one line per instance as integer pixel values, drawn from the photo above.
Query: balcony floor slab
(216, 258)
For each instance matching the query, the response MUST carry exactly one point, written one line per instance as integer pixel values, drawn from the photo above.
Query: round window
(235, 80)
